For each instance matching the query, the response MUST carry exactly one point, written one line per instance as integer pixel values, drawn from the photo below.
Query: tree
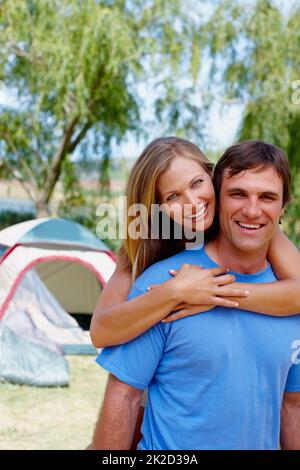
(73, 66)
(256, 61)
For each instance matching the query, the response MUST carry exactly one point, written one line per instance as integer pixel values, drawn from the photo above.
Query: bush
(8, 218)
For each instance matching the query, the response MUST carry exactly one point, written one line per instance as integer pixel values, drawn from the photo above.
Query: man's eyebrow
(233, 190)
(262, 193)
(270, 193)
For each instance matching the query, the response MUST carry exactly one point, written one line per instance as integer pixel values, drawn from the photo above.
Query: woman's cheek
(175, 213)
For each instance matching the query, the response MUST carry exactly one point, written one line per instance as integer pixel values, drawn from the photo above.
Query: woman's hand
(206, 287)
(186, 310)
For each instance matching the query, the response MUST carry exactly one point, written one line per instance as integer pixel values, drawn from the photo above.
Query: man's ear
(282, 212)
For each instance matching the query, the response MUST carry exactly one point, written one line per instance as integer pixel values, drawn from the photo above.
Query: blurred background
(84, 86)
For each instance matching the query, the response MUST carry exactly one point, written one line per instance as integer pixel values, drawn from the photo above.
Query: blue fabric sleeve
(135, 362)
(293, 379)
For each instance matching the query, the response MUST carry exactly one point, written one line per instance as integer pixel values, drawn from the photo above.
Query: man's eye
(267, 198)
(172, 197)
(197, 182)
(237, 195)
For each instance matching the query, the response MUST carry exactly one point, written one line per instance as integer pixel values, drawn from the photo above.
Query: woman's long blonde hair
(142, 188)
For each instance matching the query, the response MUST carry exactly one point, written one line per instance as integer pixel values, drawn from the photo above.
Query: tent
(51, 271)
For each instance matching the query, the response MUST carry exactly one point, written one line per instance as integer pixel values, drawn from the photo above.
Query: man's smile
(249, 227)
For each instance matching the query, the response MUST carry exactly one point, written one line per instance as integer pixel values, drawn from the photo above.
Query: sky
(223, 129)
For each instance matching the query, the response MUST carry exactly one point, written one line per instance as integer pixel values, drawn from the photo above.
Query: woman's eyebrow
(197, 176)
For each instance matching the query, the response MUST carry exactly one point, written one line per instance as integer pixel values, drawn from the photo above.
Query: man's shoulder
(158, 272)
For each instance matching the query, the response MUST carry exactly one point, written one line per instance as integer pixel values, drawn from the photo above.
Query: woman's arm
(116, 321)
(280, 298)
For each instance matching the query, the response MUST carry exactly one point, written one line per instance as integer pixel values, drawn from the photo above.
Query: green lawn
(53, 418)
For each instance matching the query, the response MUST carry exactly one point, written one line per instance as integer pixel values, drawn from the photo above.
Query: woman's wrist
(171, 291)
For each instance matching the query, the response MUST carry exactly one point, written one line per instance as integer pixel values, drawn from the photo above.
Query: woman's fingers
(183, 305)
(230, 292)
(187, 311)
(218, 271)
(187, 266)
(223, 280)
(213, 271)
(220, 302)
(173, 272)
(195, 310)
(153, 286)
(176, 316)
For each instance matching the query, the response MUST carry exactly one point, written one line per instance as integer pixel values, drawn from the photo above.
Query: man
(215, 380)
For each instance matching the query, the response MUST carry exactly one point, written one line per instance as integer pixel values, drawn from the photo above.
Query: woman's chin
(201, 225)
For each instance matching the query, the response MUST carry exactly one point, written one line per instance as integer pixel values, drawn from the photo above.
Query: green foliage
(73, 195)
(74, 67)
(259, 49)
(8, 218)
(86, 216)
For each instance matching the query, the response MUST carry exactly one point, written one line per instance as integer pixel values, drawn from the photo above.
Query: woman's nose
(191, 198)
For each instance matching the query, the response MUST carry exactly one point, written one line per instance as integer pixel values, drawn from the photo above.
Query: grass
(53, 418)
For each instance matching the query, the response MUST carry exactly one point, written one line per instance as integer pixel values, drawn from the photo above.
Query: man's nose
(252, 209)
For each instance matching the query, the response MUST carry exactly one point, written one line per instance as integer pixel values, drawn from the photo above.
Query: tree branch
(62, 151)
(79, 137)
(17, 175)
(25, 166)
(33, 60)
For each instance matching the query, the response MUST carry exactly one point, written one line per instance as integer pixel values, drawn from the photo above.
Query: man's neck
(239, 261)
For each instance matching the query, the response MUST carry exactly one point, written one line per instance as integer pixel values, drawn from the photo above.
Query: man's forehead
(257, 177)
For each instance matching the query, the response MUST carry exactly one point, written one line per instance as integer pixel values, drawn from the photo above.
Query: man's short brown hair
(254, 154)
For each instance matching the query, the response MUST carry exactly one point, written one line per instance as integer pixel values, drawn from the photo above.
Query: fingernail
(236, 304)
(227, 269)
(148, 288)
(171, 271)
(247, 292)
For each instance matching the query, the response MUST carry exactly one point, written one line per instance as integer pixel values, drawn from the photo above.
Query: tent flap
(24, 362)
(51, 269)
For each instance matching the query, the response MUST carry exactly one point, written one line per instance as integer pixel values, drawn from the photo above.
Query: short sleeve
(293, 379)
(135, 362)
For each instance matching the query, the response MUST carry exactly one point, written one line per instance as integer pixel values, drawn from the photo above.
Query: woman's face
(187, 194)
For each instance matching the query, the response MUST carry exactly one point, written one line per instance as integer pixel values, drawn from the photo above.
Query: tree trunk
(105, 175)
(42, 209)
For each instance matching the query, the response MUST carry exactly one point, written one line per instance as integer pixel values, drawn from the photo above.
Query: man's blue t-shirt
(215, 380)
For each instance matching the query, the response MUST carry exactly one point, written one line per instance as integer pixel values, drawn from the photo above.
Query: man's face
(250, 207)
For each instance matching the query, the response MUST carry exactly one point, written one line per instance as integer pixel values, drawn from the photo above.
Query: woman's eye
(172, 197)
(196, 183)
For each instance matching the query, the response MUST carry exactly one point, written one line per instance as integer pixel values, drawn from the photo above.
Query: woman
(175, 173)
